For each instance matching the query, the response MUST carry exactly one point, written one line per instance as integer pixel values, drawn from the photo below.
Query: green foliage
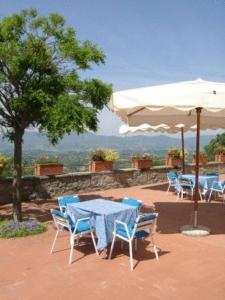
(10, 229)
(47, 160)
(39, 80)
(40, 84)
(220, 150)
(210, 149)
(104, 155)
(174, 152)
(4, 160)
(111, 155)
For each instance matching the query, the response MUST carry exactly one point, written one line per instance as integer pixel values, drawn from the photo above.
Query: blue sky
(146, 42)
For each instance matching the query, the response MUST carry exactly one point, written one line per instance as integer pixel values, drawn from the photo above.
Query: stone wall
(47, 187)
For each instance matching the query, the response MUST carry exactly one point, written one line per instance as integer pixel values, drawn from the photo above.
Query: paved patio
(189, 268)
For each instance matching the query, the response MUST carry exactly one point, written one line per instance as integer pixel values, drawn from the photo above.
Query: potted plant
(141, 161)
(174, 157)
(220, 154)
(48, 166)
(102, 160)
(203, 159)
(3, 163)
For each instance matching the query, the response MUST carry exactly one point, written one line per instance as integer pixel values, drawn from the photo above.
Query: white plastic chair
(219, 188)
(81, 227)
(143, 227)
(64, 200)
(132, 202)
(186, 187)
(172, 179)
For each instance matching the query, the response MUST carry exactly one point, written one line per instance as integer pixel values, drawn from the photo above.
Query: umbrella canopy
(125, 129)
(172, 104)
(190, 102)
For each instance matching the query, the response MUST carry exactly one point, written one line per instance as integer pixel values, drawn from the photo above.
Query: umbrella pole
(196, 192)
(183, 157)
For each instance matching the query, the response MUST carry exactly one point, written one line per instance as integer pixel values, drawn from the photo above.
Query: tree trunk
(17, 175)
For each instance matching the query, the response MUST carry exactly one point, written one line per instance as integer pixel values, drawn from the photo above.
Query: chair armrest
(80, 220)
(117, 222)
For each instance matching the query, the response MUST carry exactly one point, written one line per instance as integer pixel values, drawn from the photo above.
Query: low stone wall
(47, 187)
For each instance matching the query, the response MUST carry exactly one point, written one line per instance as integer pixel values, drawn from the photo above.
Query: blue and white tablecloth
(103, 214)
(205, 182)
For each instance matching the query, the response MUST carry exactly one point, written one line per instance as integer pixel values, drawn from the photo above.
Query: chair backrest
(186, 182)
(64, 200)
(133, 202)
(212, 174)
(146, 222)
(61, 221)
(172, 176)
(218, 185)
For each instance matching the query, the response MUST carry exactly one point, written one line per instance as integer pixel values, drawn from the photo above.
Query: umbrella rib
(136, 111)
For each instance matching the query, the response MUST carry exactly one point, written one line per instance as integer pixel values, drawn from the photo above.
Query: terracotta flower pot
(100, 166)
(48, 169)
(220, 158)
(173, 162)
(202, 160)
(142, 164)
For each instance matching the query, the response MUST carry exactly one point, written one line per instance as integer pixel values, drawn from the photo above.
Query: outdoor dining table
(103, 214)
(205, 181)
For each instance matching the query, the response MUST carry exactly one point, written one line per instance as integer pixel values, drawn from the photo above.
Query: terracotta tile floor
(189, 268)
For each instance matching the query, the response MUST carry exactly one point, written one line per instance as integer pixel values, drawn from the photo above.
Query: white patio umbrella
(125, 129)
(190, 102)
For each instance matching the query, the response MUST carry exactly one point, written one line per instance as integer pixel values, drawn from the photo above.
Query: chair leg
(53, 244)
(182, 195)
(155, 248)
(210, 194)
(71, 248)
(135, 244)
(168, 188)
(131, 256)
(94, 242)
(112, 246)
(200, 194)
(122, 244)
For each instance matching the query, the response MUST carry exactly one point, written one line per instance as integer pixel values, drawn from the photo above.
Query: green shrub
(4, 160)
(174, 153)
(47, 160)
(104, 155)
(220, 150)
(11, 229)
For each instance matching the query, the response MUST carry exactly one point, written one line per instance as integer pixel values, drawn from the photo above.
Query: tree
(40, 86)
(219, 140)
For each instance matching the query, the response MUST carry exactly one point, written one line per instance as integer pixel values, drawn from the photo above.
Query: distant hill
(36, 142)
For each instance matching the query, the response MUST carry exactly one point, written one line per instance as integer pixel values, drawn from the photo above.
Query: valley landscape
(73, 150)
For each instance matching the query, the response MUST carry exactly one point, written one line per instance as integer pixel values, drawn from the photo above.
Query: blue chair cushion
(218, 186)
(82, 226)
(172, 175)
(132, 202)
(138, 235)
(147, 217)
(141, 234)
(122, 231)
(58, 213)
(212, 174)
(68, 199)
